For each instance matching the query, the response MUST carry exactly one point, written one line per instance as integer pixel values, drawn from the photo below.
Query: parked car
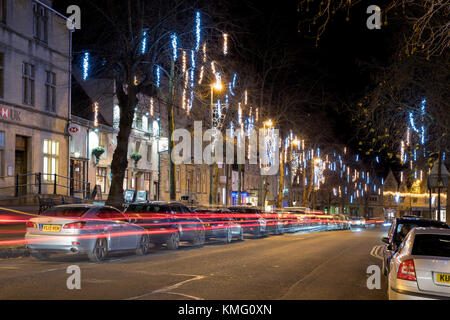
(168, 223)
(219, 223)
(84, 229)
(345, 221)
(293, 218)
(420, 269)
(250, 219)
(358, 222)
(398, 231)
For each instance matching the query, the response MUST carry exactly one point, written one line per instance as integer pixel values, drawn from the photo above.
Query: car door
(111, 226)
(130, 233)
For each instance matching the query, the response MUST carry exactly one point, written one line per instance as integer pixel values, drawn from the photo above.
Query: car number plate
(207, 224)
(443, 278)
(51, 228)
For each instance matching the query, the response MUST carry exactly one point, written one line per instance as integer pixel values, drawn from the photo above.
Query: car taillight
(406, 271)
(74, 225)
(31, 224)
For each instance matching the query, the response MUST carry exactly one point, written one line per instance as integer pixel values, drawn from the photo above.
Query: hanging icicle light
(200, 78)
(204, 52)
(197, 30)
(245, 97)
(151, 107)
(144, 42)
(96, 107)
(174, 42)
(158, 76)
(184, 62)
(85, 65)
(239, 113)
(225, 44)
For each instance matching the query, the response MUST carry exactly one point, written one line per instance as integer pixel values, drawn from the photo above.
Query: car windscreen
(431, 245)
(65, 212)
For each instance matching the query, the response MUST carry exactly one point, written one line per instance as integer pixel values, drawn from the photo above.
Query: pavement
(323, 265)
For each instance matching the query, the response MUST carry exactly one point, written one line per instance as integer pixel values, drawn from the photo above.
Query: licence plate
(51, 228)
(207, 224)
(443, 278)
(242, 220)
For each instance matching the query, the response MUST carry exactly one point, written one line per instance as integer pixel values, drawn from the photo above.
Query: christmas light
(239, 113)
(96, 107)
(197, 30)
(158, 76)
(151, 107)
(200, 78)
(174, 42)
(144, 42)
(245, 97)
(85, 65)
(184, 62)
(225, 44)
(204, 52)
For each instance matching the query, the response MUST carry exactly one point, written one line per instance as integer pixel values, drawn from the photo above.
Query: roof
(421, 230)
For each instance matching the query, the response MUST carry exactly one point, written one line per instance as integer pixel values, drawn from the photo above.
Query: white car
(420, 269)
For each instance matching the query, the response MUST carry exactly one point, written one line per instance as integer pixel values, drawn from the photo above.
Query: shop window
(50, 91)
(101, 178)
(51, 155)
(28, 83)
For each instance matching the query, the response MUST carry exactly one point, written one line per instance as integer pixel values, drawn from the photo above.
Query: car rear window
(70, 212)
(431, 245)
(145, 208)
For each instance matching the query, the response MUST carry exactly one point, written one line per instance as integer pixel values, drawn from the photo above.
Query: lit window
(51, 155)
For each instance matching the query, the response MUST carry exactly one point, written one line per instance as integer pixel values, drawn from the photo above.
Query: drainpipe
(69, 106)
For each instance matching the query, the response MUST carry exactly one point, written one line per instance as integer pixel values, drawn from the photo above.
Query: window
(40, 20)
(28, 83)
(2, 153)
(101, 178)
(2, 63)
(50, 91)
(51, 154)
(168, 179)
(149, 153)
(3, 11)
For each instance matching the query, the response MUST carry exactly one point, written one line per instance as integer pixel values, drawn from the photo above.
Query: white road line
(376, 252)
(167, 289)
(186, 295)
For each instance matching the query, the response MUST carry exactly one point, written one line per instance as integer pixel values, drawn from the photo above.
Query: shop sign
(9, 114)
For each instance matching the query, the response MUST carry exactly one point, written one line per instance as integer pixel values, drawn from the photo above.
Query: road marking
(186, 295)
(169, 288)
(377, 251)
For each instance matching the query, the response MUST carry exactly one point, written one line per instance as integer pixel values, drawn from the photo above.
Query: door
(20, 163)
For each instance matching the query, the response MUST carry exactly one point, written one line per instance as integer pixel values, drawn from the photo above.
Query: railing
(54, 180)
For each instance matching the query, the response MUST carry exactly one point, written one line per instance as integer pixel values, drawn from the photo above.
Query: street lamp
(218, 87)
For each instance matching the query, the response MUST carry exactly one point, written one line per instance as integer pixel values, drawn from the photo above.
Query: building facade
(35, 57)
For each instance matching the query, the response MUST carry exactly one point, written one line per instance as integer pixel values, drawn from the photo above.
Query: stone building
(35, 57)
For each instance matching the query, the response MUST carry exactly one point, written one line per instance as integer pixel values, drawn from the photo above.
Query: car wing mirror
(385, 240)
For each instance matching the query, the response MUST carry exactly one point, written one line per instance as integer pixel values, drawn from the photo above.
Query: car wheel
(174, 241)
(44, 256)
(199, 238)
(229, 236)
(144, 245)
(100, 250)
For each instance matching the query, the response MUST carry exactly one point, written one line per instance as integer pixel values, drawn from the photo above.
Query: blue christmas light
(144, 42)
(158, 76)
(85, 65)
(357, 158)
(197, 31)
(377, 159)
(174, 43)
(234, 80)
(411, 120)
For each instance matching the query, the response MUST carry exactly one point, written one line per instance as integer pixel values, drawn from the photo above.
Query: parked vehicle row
(416, 259)
(97, 230)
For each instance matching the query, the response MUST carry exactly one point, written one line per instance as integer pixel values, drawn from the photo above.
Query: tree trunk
(280, 186)
(239, 183)
(127, 103)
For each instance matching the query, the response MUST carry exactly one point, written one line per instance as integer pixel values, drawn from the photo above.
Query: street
(322, 265)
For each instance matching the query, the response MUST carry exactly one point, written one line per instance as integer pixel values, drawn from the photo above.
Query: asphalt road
(323, 265)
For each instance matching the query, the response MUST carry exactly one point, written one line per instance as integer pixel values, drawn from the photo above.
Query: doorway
(21, 163)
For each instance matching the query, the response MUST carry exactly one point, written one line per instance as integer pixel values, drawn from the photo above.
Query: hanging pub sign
(73, 129)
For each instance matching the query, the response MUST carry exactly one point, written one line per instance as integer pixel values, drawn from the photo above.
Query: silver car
(84, 228)
(420, 269)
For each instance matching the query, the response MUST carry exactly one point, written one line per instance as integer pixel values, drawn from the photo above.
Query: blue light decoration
(230, 88)
(397, 198)
(411, 121)
(197, 30)
(374, 188)
(144, 42)
(351, 198)
(443, 156)
(174, 43)
(357, 158)
(415, 155)
(219, 108)
(158, 76)
(234, 80)
(318, 152)
(85, 65)
(377, 159)
(422, 138)
(345, 189)
(193, 67)
(382, 180)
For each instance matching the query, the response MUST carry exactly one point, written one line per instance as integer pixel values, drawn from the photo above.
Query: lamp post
(438, 178)
(218, 86)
